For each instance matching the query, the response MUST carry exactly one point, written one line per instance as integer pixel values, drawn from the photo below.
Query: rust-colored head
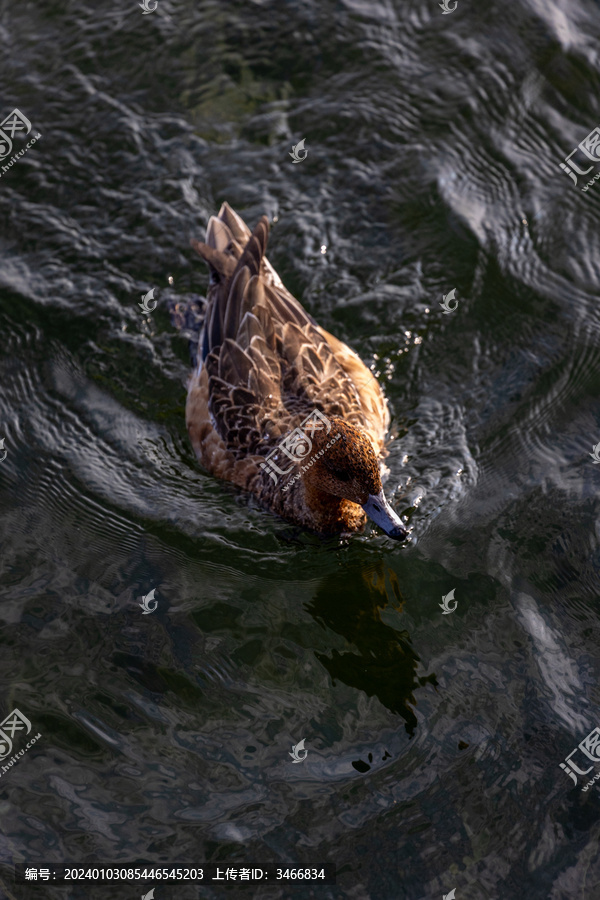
(343, 464)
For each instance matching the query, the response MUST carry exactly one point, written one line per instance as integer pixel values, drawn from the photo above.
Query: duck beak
(378, 509)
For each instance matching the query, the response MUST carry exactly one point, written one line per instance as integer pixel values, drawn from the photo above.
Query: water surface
(434, 741)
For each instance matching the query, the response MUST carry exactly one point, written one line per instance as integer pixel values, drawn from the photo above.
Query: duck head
(345, 466)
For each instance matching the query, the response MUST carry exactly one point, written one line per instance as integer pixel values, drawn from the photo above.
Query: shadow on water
(350, 602)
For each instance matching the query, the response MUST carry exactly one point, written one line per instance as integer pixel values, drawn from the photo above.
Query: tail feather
(255, 248)
(219, 262)
(236, 225)
(229, 248)
(228, 301)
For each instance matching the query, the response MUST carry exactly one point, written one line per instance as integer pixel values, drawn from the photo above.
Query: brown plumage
(264, 366)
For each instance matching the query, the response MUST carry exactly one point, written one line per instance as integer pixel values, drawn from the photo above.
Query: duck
(278, 406)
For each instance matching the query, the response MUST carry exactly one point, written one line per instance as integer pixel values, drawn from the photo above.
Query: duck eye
(341, 476)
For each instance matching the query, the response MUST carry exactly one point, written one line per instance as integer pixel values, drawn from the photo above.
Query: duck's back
(263, 363)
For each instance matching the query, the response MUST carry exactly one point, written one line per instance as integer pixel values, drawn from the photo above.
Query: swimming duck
(277, 405)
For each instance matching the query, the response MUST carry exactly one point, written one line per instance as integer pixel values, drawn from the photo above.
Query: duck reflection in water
(350, 603)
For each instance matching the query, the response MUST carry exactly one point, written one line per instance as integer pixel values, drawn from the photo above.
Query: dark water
(434, 741)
